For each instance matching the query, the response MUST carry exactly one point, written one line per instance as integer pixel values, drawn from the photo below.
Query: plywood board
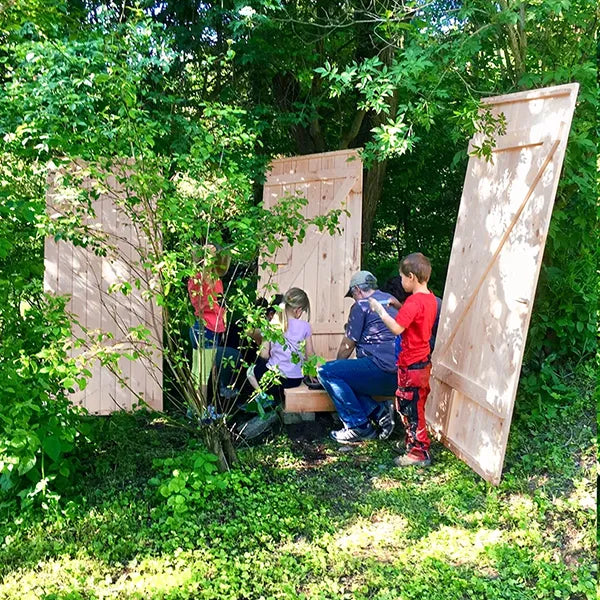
(302, 399)
(492, 276)
(321, 265)
(86, 277)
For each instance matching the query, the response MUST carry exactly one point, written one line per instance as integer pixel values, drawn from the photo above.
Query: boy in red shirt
(414, 322)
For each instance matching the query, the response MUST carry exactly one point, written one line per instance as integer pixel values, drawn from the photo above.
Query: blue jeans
(351, 384)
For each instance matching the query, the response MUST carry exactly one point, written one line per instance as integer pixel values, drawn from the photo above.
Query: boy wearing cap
(352, 383)
(414, 321)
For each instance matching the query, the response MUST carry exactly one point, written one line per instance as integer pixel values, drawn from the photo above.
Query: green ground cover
(149, 518)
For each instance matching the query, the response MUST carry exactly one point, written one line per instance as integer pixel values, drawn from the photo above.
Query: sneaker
(385, 420)
(354, 435)
(412, 460)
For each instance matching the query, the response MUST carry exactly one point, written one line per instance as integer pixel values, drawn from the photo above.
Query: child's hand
(376, 306)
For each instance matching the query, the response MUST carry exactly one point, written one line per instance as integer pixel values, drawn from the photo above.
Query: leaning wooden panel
(322, 264)
(86, 277)
(494, 267)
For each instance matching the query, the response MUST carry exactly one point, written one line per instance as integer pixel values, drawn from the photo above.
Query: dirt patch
(308, 437)
(311, 452)
(311, 431)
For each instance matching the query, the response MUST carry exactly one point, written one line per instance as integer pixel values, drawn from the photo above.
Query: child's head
(212, 258)
(269, 305)
(414, 268)
(394, 287)
(297, 302)
(276, 300)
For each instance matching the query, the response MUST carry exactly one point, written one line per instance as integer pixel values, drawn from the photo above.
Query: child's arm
(387, 319)
(309, 349)
(265, 350)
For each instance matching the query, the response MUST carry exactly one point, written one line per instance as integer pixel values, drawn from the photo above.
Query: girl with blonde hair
(288, 357)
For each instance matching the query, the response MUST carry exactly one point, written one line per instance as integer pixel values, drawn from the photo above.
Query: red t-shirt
(204, 298)
(417, 316)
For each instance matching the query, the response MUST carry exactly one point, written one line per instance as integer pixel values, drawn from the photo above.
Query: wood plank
(559, 91)
(303, 177)
(320, 264)
(466, 456)
(122, 304)
(483, 396)
(89, 276)
(302, 399)
(310, 243)
(493, 271)
(508, 231)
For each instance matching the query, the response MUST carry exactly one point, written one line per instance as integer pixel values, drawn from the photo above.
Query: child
(287, 358)
(394, 287)
(414, 322)
(255, 334)
(205, 289)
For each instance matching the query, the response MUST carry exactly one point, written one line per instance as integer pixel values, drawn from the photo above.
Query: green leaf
(52, 447)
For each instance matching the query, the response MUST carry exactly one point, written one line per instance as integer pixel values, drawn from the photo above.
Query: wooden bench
(304, 400)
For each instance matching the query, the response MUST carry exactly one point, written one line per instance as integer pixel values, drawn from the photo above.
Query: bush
(39, 427)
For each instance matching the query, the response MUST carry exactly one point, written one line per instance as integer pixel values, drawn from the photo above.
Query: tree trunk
(218, 441)
(374, 180)
(308, 138)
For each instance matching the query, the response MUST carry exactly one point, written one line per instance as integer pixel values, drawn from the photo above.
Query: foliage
(404, 82)
(479, 49)
(40, 426)
(306, 520)
(40, 435)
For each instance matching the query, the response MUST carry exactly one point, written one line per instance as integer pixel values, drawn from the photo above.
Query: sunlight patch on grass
(583, 495)
(520, 504)
(385, 485)
(458, 546)
(372, 536)
(147, 578)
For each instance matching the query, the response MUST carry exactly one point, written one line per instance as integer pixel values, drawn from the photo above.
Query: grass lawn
(149, 518)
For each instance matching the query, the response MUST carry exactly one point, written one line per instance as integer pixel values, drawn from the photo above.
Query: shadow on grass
(302, 514)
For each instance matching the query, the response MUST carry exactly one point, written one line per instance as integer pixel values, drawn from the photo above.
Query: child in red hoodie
(414, 323)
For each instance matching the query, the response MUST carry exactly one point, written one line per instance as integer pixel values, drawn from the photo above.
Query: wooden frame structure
(322, 264)
(494, 267)
(86, 278)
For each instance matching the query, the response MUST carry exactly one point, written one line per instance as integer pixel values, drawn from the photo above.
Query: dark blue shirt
(372, 338)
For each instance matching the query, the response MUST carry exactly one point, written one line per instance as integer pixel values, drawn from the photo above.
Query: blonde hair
(212, 258)
(294, 298)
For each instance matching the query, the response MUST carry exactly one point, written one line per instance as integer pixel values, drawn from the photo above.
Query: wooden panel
(322, 264)
(494, 266)
(86, 278)
(302, 399)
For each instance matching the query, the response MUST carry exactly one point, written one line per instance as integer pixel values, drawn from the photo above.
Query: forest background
(207, 94)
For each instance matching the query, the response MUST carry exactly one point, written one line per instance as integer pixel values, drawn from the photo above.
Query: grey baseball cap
(361, 278)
